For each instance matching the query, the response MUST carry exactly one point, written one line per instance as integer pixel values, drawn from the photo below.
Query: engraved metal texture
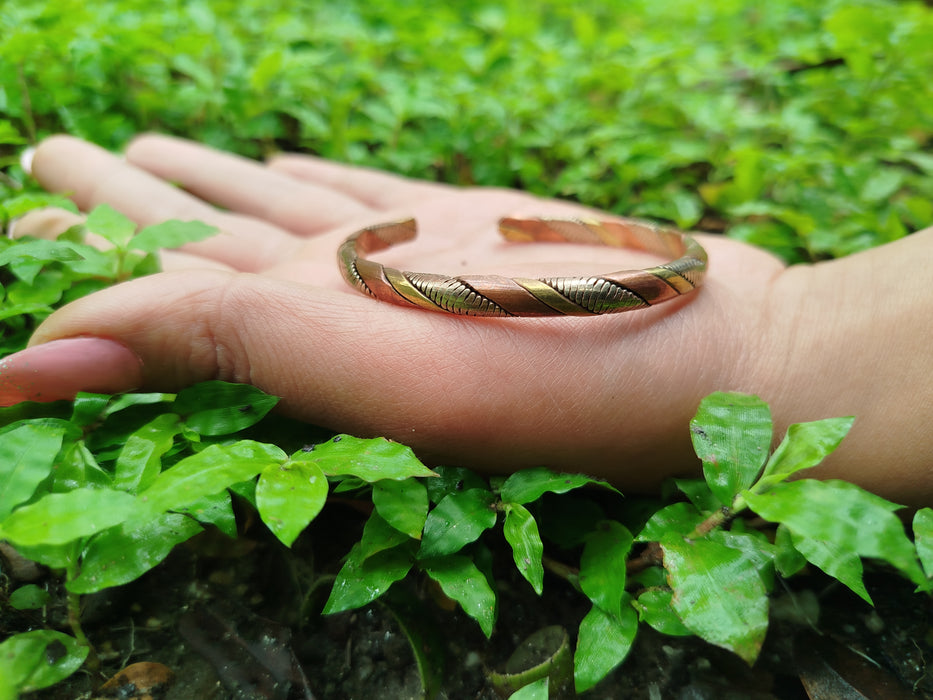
(493, 295)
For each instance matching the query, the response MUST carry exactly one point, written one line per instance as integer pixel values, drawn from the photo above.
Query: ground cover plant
(802, 128)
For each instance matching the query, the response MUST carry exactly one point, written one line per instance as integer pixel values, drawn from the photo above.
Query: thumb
(161, 332)
(311, 347)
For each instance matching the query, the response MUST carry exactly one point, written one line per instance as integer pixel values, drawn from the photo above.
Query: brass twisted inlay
(493, 295)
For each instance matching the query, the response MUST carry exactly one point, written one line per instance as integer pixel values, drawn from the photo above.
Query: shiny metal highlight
(493, 295)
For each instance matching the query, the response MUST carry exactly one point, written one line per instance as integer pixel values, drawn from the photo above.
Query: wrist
(853, 337)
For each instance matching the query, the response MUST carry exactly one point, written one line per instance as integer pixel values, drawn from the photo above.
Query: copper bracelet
(493, 295)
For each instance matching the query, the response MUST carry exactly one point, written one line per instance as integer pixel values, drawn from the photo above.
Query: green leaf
(697, 490)
(843, 516)
(42, 251)
(756, 548)
(923, 538)
(881, 184)
(54, 556)
(140, 460)
(369, 460)
(15, 207)
(521, 532)
(787, 559)
(29, 597)
(171, 234)
(460, 580)
(111, 225)
(58, 518)
(24, 310)
(125, 401)
(26, 664)
(731, 434)
(362, 580)
(89, 408)
(681, 518)
(804, 446)
(217, 510)
(718, 594)
(221, 408)
(842, 564)
(27, 454)
(451, 480)
(537, 690)
(123, 554)
(76, 467)
(529, 485)
(289, 496)
(602, 565)
(603, 642)
(457, 520)
(210, 471)
(379, 536)
(403, 504)
(655, 609)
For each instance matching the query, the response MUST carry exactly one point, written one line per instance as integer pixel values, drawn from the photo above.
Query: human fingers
(246, 186)
(47, 223)
(93, 176)
(51, 222)
(586, 394)
(375, 188)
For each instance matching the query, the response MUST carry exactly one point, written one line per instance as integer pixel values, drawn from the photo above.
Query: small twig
(651, 555)
(715, 519)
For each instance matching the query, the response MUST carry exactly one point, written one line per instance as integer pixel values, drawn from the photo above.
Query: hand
(263, 302)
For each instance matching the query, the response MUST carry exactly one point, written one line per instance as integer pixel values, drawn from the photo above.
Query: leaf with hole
(38, 659)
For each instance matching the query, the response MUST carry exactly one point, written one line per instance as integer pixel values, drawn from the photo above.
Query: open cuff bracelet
(493, 295)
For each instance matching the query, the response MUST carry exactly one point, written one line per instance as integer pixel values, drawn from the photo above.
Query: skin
(263, 302)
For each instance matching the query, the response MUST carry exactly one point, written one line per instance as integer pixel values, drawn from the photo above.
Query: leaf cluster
(802, 127)
(38, 275)
(104, 489)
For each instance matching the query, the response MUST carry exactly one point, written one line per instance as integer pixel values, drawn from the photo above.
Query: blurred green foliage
(803, 127)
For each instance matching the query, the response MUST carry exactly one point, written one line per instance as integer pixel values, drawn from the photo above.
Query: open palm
(263, 302)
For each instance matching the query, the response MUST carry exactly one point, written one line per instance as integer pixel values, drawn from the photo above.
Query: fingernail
(60, 369)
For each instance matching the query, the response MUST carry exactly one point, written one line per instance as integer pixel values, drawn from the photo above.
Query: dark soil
(240, 619)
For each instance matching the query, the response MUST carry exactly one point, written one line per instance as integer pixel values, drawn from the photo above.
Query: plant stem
(564, 571)
(74, 622)
(651, 555)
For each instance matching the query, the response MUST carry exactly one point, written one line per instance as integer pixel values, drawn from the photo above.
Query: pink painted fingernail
(60, 369)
